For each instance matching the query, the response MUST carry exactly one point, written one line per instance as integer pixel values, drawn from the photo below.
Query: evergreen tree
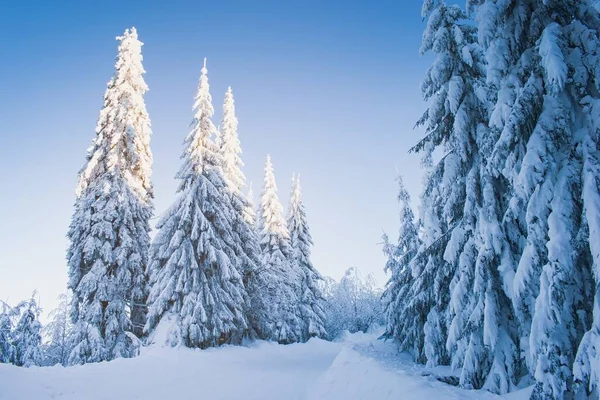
(230, 146)
(275, 285)
(197, 258)
(542, 63)
(230, 151)
(587, 364)
(109, 231)
(250, 208)
(26, 336)
(399, 321)
(457, 308)
(6, 327)
(458, 292)
(58, 331)
(311, 299)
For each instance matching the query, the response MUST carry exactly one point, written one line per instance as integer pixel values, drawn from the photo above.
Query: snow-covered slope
(359, 367)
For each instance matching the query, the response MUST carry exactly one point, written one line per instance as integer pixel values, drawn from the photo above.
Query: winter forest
(493, 277)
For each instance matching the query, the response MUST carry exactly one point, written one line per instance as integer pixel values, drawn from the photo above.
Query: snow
(357, 367)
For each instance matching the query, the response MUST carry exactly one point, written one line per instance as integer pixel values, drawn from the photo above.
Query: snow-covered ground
(359, 367)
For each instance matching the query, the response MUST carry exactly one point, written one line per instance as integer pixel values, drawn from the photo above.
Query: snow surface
(358, 367)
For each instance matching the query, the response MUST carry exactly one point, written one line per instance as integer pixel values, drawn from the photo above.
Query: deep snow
(358, 367)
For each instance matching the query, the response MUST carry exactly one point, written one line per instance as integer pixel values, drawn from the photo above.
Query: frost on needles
(310, 296)
(109, 231)
(276, 284)
(504, 285)
(198, 261)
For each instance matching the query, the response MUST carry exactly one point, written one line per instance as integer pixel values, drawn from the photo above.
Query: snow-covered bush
(21, 334)
(351, 305)
(56, 348)
(6, 326)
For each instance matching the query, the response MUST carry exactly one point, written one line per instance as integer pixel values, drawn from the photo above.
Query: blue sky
(330, 89)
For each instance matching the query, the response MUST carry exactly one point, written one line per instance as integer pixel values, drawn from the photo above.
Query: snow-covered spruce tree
(457, 304)
(587, 363)
(275, 286)
(457, 290)
(310, 296)
(445, 87)
(230, 145)
(230, 152)
(395, 295)
(58, 330)
(6, 327)
(197, 257)
(543, 63)
(26, 337)
(250, 209)
(109, 231)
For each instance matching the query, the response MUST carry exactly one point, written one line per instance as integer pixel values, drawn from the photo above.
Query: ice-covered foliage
(352, 305)
(458, 292)
(400, 322)
(57, 331)
(21, 334)
(310, 296)
(198, 258)
(543, 63)
(250, 208)
(230, 147)
(26, 336)
(275, 287)
(109, 231)
(6, 326)
(509, 213)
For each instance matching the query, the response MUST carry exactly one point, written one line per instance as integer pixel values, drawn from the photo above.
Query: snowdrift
(359, 367)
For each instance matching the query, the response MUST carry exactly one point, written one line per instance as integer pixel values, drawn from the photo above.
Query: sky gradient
(330, 89)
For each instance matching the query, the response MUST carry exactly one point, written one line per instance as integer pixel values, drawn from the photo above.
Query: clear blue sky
(329, 88)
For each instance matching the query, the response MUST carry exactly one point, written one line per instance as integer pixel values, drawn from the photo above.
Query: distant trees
(309, 294)
(57, 331)
(351, 305)
(198, 259)
(398, 299)
(217, 271)
(278, 280)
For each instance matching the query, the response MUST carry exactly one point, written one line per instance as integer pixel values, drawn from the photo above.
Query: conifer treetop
(271, 212)
(123, 131)
(230, 145)
(200, 150)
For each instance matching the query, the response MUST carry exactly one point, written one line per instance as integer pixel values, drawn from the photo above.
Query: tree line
(218, 271)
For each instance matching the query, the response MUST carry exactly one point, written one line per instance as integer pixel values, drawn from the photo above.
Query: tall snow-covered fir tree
(109, 231)
(543, 63)
(446, 126)
(310, 296)
(399, 321)
(230, 151)
(197, 258)
(230, 145)
(469, 317)
(457, 306)
(275, 286)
